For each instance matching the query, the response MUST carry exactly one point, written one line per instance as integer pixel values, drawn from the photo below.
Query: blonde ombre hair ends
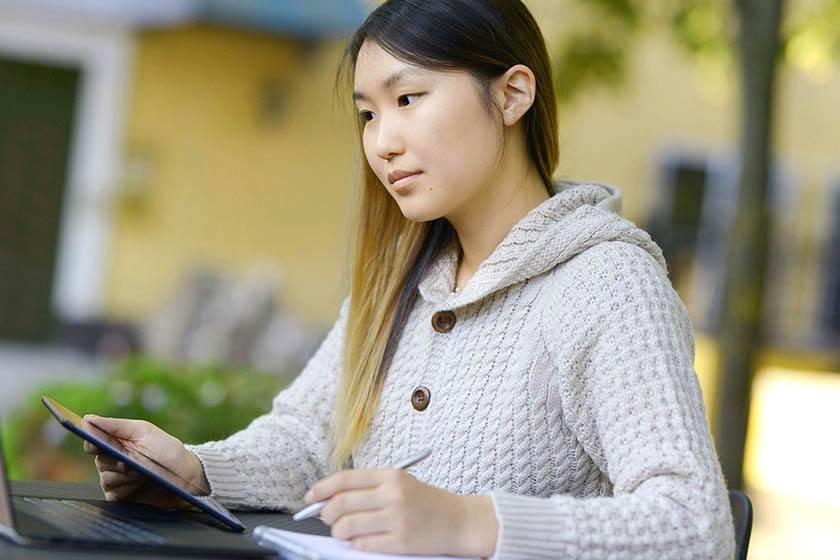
(379, 273)
(390, 253)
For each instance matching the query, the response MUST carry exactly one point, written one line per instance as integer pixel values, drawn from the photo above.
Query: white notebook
(300, 546)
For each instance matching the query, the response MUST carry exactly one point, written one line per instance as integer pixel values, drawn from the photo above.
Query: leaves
(594, 54)
(812, 39)
(628, 12)
(587, 60)
(699, 26)
(194, 404)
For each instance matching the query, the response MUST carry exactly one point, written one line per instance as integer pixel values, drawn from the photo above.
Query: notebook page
(317, 547)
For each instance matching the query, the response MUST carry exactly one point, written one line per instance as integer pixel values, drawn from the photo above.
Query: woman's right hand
(120, 482)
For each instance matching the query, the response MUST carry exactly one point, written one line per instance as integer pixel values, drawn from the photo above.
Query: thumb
(120, 428)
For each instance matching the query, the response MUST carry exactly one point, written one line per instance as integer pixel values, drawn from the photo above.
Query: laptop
(39, 522)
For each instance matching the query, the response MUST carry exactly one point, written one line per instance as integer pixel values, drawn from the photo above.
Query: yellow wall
(227, 188)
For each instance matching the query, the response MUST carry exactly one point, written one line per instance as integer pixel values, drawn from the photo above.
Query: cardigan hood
(576, 217)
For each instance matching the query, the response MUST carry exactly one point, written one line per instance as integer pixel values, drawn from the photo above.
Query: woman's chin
(416, 213)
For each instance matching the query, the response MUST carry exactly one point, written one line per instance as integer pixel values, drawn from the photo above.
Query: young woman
(515, 325)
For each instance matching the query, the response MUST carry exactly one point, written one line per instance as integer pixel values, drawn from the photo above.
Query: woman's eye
(367, 116)
(405, 97)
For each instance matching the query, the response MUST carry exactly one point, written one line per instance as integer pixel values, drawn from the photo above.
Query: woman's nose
(389, 141)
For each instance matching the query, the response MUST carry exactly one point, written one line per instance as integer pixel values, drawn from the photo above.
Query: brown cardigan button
(420, 398)
(443, 321)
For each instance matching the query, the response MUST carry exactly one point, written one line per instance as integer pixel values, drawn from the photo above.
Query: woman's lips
(406, 182)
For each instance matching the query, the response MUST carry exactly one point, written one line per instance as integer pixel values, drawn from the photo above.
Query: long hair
(483, 38)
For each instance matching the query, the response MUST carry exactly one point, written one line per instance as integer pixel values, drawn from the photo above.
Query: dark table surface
(85, 490)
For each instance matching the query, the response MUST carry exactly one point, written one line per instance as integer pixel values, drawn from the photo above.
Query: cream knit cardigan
(565, 390)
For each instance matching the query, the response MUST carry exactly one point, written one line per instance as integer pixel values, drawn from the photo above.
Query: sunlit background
(176, 183)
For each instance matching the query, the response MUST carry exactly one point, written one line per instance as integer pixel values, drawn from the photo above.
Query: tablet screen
(104, 440)
(150, 464)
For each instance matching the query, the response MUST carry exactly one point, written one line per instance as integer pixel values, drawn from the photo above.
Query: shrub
(193, 403)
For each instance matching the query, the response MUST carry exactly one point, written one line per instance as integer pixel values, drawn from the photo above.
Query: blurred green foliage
(195, 404)
(699, 26)
(596, 53)
(588, 60)
(812, 38)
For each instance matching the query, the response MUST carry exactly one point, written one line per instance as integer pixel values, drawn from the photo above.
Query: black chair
(742, 515)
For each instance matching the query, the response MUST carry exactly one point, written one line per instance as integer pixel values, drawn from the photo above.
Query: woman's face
(426, 122)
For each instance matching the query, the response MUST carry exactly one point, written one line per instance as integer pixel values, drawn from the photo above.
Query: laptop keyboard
(86, 521)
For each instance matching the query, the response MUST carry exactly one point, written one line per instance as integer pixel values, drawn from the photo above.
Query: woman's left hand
(390, 511)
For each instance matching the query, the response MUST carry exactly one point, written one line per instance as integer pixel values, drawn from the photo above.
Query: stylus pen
(313, 509)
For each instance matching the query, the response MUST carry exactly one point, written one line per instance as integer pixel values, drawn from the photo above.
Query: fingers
(383, 543)
(90, 448)
(120, 428)
(361, 523)
(346, 503)
(106, 463)
(110, 480)
(118, 485)
(353, 479)
(86, 445)
(117, 493)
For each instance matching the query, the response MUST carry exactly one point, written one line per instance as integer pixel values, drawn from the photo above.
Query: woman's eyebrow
(392, 81)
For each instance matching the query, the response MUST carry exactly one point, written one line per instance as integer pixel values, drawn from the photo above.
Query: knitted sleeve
(630, 395)
(272, 462)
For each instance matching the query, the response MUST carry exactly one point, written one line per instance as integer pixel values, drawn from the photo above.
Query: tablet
(142, 464)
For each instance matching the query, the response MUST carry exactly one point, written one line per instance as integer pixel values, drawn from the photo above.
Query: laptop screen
(6, 519)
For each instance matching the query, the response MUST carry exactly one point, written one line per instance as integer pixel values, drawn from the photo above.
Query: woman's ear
(516, 88)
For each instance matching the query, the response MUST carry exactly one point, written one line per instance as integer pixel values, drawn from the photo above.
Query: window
(691, 221)
(830, 310)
